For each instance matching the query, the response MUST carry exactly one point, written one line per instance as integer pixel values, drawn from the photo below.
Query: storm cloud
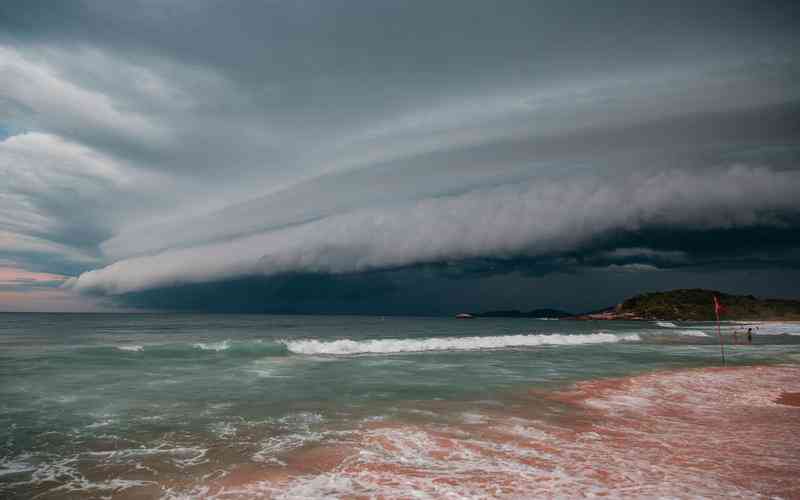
(538, 218)
(147, 148)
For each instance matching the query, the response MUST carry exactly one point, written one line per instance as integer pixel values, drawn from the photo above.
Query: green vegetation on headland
(697, 304)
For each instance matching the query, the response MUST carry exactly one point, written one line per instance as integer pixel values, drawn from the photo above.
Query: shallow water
(171, 405)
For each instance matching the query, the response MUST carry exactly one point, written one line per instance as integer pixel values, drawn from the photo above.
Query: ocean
(243, 406)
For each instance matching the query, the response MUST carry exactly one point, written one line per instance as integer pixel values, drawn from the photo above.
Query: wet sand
(714, 433)
(789, 399)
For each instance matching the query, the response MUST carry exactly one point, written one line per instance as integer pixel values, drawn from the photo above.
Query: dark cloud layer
(354, 156)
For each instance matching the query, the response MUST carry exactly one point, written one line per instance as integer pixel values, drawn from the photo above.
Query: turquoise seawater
(97, 405)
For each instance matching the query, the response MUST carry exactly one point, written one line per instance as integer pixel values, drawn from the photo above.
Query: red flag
(718, 308)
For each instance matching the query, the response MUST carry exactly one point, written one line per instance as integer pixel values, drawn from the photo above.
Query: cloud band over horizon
(510, 221)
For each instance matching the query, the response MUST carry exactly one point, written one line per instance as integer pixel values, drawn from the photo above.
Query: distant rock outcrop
(514, 313)
(696, 304)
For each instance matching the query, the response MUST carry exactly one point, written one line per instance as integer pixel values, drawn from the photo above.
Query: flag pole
(717, 307)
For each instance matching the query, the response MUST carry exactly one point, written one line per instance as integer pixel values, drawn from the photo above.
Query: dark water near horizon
(97, 405)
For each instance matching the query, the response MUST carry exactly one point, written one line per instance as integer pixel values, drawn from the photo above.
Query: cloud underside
(540, 218)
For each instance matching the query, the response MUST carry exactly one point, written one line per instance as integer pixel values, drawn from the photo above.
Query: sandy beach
(711, 432)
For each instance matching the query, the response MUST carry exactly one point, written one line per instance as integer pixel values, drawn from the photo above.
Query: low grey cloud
(148, 145)
(540, 218)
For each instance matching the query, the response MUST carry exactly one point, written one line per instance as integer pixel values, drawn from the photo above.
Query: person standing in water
(749, 335)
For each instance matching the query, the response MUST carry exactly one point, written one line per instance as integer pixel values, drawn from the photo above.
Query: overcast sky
(395, 157)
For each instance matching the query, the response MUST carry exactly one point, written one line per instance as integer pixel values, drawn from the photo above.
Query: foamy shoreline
(707, 432)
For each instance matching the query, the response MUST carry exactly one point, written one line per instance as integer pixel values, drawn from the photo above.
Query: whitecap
(261, 373)
(130, 348)
(101, 423)
(666, 324)
(770, 328)
(692, 333)
(388, 346)
(213, 346)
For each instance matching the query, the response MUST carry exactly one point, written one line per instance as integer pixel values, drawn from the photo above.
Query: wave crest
(213, 346)
(692, 333)
(389, 346)
(130, 347)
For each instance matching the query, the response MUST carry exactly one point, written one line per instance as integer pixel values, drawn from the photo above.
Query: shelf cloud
(537, 218)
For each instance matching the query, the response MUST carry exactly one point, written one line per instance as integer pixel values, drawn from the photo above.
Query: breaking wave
(245, 348)
(389, 346)
(130, 347)
(666, 324)
(213, 346)
(692, 333)
(770, 327)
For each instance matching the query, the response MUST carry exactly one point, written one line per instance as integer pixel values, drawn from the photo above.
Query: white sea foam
(66, 472)
(271, 367)
(105, 422)
(180, 456)
(130, 347)
(666, 324)
(213, 346)
(473, 418)
(769, 328)
(692, 333)
(9, 466)
(267, 373)
(388, 346)
(276, 445)
(301, 420)
(224, 430)
(514, 457)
